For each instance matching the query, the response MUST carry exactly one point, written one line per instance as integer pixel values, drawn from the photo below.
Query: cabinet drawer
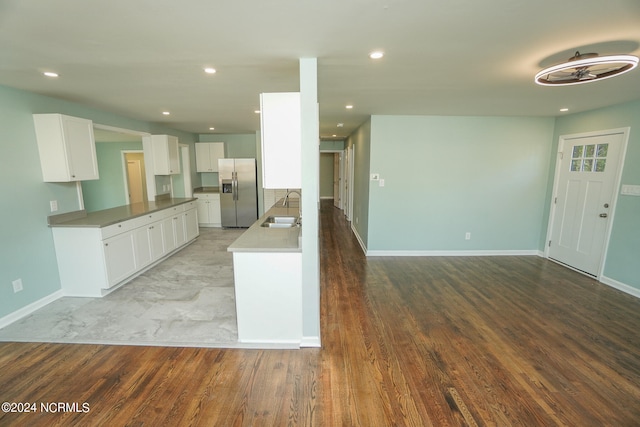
(172, 211)
(115, 229)
(153, 217)
(207, 196)
(188, 206)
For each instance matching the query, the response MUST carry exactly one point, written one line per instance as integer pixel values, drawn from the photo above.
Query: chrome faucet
(286, 198)
(286, 201)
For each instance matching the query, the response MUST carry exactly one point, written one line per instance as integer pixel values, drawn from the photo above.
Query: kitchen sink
(281, 221)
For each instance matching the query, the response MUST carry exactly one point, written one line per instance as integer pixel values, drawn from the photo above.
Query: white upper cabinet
(281, 140)
(207, 155)
(166, 155)
(67, 148)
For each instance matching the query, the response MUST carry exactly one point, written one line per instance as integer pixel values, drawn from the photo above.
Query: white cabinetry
(209, 209)
(281, 140)
(94, 261)
(191, 229)
(166, 155)
(67, 148)
(270, 313)
(207, 156)
(119, 257)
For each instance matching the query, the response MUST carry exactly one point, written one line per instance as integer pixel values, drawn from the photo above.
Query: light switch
(54, 205)
(382, 183)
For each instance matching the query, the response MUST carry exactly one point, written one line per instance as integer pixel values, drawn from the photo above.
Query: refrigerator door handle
(235, 186)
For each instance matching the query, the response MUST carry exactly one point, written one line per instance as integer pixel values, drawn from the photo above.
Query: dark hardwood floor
(411, 341)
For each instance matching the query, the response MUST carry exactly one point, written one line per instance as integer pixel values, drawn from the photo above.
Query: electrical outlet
(54, 205)
(467, 236)
(17, 285)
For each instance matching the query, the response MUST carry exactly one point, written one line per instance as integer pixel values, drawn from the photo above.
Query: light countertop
(264, 239)
(206, 190)
(115, 215)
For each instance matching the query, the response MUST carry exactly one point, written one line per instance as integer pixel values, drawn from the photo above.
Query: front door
(585, 193)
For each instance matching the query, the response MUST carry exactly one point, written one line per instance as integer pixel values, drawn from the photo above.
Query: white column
(310, 202)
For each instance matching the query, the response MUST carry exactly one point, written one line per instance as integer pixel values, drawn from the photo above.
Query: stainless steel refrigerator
(238, 192)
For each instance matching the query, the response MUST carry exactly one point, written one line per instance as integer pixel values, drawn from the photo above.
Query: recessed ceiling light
(210, 70)
(376, 55)
(50, 74)
(564, 109)
(348, 107)
(257, 111)
(212, 128)
(166, 113)
(340, 125)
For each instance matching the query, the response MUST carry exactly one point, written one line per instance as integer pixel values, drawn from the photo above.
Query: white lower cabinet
(156, 240)
(191, 229)
(209, 209)
(120, 257)
(94, 261)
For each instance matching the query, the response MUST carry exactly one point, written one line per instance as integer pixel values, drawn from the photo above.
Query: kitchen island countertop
(264, 239)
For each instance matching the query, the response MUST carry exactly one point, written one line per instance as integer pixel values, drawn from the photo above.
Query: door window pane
(589, 150)
(577, 152)
(602, 150)
(587, 166)
(576, 165)
(600, 163)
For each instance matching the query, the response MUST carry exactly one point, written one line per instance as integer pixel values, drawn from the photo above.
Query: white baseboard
(310, 342)
(454, 253)
(362, 245)
(627, 289)
(27, 310)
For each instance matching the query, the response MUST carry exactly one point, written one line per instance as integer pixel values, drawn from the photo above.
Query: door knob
(603, 215)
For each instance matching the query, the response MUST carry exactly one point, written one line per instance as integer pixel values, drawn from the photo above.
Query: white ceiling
(456, 57)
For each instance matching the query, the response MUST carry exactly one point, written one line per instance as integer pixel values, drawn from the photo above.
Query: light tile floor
(187, 300)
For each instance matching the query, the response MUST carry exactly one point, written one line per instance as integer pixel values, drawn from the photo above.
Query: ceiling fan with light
(585, 68)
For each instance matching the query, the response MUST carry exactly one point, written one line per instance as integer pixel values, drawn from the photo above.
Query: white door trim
(186, 170)
(625, 139)
(341, 171)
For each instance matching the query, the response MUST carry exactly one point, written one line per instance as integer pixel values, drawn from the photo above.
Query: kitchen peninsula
(267, 266)
(98, 252)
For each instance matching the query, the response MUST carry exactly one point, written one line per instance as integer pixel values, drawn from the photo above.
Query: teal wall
(108, 191)
(446, 176)
(326, 175)
(332, 145)
(621, 263)
(25, 238)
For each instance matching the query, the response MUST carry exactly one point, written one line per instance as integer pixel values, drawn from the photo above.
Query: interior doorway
(135, 176)
(332, 176)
